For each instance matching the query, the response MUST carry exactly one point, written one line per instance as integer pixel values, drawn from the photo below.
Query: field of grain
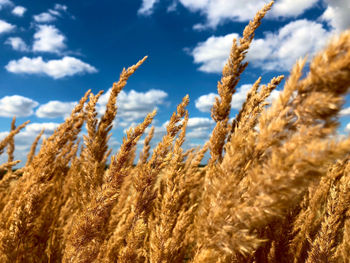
(276, 187)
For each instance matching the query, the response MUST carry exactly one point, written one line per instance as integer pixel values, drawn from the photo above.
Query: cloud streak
(55, 68)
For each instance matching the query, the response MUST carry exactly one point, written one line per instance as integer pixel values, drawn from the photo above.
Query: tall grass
(275, 188)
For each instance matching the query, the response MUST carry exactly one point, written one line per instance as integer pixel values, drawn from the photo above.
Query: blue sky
(53, 51)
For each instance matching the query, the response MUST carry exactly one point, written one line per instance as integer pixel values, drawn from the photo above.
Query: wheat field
(276, 187)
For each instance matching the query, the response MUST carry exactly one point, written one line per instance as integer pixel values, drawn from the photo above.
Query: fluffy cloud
(276, 51)
(35, 128)
(17, 43)
(273, 96)
(199, 133)
(347, 127)
(5, 3)
(337, 14)
(44, 17)
(134, 105)
(205, 102)
(240, 96)
(199, 128)
(16, 106)
(345, 112)
(212, 54)
(48, 39)
(147, 7)
(56, 68)
(280, 51)
(198, 122)
(219, 11)
(291, 8)
(6, 27)
(55, 109)
(19, 10)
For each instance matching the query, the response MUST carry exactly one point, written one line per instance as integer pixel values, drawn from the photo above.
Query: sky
(54, 51)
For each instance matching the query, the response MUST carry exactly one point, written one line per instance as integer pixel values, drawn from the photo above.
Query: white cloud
(6, 27)
(61, 7)
(134, 105)
(48, 39)
(219, 11)
(291, 8)
(54, 12)
(199, 133)
(337, 14)
(44, 17)
(199, 27)
(276, 51)
(4, 3)
(56, 68)
(279, 51)
(19, 10)
(195, 5)
(199, 128)
(159, 132)
(345, 112)
(17, 43)
(198, 122)
(55, 109)
(51, 14)
(347, 128)
(205, 102)
(35, 128)
(124, 124)
(212, 54)
(172, 7)
(240, 96)
(147, 7)
(17, 106)
(274, 95)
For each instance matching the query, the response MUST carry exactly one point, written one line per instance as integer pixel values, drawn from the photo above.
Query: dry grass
(275, 189)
